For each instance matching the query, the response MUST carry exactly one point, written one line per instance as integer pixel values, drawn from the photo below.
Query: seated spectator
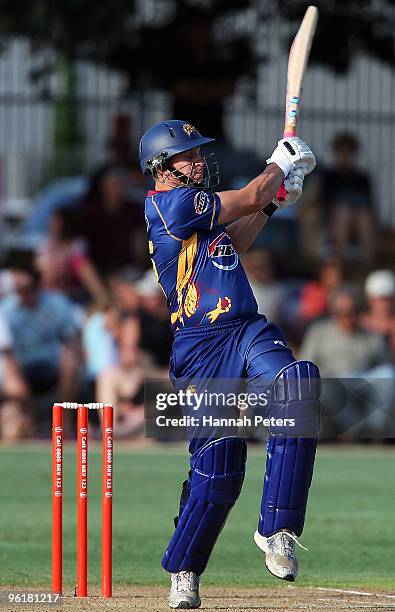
(156, 334)
(343, 349)
(123, 384)
(380, 315)
(258, 265)
(123, 285)
(346, 192)
(202, 77)
(121, 152)
(338, 344)
(62, 192)
(15, 417)
(63, 263)
(101, 327)
(113, 224)
(134, 294)
(315, 295)
(6, 281)
(44, 333)
(143, 297)
(99, 345)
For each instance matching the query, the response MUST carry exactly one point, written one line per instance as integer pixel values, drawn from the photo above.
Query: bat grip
(282, 192)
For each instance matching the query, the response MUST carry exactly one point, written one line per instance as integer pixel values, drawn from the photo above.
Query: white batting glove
(293, 184)
(292, 153)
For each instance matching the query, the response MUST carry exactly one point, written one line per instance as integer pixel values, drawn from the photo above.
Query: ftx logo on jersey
(221, 252)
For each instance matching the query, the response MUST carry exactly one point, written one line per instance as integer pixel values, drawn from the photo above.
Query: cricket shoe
(184, 592)
(279, 550)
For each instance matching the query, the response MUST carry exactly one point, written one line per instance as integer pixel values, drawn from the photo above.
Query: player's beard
(189, 175)
(203, 177)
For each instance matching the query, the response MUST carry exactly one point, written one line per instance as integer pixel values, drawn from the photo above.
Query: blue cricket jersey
(194, 259)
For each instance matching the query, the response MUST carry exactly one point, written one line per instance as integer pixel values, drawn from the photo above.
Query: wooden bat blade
(297, 62)
(298, 58)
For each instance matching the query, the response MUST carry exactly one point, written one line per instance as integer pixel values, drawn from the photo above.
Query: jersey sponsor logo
(189, 129)
(222, 249)
(201, 202)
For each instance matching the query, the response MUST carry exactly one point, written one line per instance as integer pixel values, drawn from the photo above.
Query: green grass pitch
(349, 528)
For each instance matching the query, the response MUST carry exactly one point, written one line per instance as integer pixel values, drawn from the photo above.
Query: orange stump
(57, 493)
(107, 474)
(82, 502)
(82, 496)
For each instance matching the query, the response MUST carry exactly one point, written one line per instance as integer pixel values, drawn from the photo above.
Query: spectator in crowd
(258, 264)
(101, 327)
(44, 333)
(201, 79)
(121, 153)
(380, 314)
(123, 383)
(156, 334)
(6, 280)
(113, 225)
(99, 346)
(338, 344)
(15, 417)
(63, 262)
(136, 295)
(120, 146)
(315, 295)
(123, 285)
(343, 349)
(346, 193)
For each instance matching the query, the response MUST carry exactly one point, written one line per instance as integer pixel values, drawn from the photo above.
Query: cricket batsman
(195, 237)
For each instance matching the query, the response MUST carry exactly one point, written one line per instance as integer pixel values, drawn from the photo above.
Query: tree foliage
(347, 28)
(138, 37)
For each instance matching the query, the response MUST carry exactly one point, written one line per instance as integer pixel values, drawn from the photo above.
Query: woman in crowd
(63, 261)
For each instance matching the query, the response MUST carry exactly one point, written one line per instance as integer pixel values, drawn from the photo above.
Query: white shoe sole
(185, 604)
(261, 542)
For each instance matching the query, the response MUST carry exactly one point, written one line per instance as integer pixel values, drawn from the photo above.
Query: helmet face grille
(167, 139)
(179, 178)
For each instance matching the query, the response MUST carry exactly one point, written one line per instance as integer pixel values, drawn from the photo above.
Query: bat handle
(282, 192)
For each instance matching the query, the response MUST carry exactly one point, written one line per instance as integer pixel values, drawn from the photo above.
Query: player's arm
(290, 154)
(253, 197)
(243, 231)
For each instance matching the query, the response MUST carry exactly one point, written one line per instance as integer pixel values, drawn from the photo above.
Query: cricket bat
(297, 62)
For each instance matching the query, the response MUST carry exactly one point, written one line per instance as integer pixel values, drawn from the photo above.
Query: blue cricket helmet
(166, 139)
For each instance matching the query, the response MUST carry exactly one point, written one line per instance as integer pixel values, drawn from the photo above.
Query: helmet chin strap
(164, 173)
(184, 179)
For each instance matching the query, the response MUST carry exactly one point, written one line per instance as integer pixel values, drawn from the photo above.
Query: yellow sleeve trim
(213, 215)
(164, 222)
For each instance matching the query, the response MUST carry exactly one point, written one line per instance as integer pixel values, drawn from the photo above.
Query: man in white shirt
(15, 420)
